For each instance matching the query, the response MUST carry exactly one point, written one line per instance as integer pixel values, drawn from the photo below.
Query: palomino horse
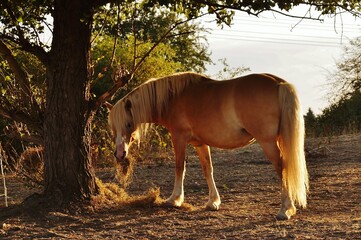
(224, 114)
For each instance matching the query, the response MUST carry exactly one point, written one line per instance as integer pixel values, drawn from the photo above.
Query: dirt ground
(250, 196)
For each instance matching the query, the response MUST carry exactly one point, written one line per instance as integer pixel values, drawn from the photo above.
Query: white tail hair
(292, 133)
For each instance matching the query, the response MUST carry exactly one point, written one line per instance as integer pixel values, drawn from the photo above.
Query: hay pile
(112, 195)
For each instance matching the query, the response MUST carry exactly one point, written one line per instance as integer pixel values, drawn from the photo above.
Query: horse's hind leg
(177, 197)
(206, 163)
(272, 152)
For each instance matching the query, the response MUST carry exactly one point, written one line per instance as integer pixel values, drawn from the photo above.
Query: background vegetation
(344, 113)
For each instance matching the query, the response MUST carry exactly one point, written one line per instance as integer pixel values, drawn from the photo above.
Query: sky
(302, 52)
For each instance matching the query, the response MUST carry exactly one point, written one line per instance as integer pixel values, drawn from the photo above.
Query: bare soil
(250, 193)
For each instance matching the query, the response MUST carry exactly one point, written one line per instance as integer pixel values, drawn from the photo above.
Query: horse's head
(124, 129)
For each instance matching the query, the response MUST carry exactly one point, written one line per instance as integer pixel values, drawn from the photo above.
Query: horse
(225, 114)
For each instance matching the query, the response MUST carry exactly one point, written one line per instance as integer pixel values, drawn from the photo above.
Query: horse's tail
(291, 142)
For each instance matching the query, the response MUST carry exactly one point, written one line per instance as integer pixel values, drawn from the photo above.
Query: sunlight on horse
(224, 114)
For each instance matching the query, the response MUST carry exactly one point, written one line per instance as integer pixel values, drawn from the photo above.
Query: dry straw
(112, 195)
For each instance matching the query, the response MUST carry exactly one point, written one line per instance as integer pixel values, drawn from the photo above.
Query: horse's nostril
(115, 154)
(124, 154)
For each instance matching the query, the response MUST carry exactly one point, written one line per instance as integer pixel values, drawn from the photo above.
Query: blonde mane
(149, 100)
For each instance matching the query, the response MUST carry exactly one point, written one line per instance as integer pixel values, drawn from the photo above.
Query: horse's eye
(128, 125)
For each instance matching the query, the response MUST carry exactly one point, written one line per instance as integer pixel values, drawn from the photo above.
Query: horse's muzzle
(121, 157)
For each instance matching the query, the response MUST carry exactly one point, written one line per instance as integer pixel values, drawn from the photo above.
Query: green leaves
(24, 20)
(7, 78)
(143, 27)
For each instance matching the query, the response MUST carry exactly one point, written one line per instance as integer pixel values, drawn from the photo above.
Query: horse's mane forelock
(150, 99)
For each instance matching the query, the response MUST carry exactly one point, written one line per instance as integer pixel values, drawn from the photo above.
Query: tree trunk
(68, 172)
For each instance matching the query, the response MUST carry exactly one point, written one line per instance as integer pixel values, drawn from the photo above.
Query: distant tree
(343, 116)
(311, 123)
(346, 80)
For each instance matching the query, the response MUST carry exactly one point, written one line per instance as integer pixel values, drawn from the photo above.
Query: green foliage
(160, 62)
(139, 25)
(11, 98)
(25, 20)
(10, 89)
(343, 116)
(311, 124)
(102, 145)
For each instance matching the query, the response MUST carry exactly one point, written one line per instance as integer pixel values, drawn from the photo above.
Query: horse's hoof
(212, 206)
(173, 203)
(286, 215)
(282, 216)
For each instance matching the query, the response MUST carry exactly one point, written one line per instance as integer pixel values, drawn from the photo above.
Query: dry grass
(124, 171)
(112, 195)
(249, 189)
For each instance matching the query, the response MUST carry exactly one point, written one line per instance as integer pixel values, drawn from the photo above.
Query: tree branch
(37, 139)
(108, 94)
(20, 116)
(297, 17)
(36, 50)
(21, 76)
(250, 10)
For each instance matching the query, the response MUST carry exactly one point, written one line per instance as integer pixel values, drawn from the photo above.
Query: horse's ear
(128, 104)
(108, 105)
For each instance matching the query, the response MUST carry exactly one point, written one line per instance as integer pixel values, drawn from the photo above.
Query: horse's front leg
(205, 158)
(177, 197)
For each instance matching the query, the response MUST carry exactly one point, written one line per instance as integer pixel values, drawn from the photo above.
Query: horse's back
(248, 92)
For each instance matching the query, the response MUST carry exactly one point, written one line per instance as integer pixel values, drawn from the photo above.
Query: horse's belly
(226, 138)
(215, 122)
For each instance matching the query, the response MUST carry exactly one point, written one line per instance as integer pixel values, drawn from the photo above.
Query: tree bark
(68, 171)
